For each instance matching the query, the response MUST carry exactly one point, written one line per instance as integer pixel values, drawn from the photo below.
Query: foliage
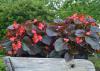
(89, 7)
(77, 34)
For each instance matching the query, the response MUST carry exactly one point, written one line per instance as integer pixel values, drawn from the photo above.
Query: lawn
(2, 66)
(96, 63)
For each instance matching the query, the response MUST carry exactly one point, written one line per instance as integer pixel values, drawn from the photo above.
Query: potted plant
(75, 37)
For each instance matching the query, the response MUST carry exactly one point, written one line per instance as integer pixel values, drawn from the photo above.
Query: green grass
(96, 62)
(2, 65)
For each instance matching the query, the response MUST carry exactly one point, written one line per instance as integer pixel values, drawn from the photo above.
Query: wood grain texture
(48, 64)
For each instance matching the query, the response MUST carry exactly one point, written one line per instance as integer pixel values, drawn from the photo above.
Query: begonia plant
(76, 35)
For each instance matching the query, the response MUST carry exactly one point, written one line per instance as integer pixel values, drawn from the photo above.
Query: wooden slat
(8, 64)
(49, 64)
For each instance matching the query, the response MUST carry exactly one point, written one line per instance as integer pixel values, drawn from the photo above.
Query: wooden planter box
(47, 64)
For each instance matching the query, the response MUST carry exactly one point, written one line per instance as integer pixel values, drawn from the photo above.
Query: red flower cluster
(40, 25)
(36, 37)
(87, 21)
(16, 45)
(18, 29)
(78, 40)
(15, 34)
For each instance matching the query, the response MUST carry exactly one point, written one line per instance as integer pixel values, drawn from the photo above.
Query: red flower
(88, 33)
(41, 26)
(33, 31)
(21, 30)
(93, 24)
(15, 25)
(66, 39)
(78, 40)
(82, 18)
(16, 45)
(12, 38)
(86, 22)
(74, 16)
(36, 38)
(35, 21)
(39, 37)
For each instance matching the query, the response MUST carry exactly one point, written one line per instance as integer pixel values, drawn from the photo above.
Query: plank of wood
(49, 64)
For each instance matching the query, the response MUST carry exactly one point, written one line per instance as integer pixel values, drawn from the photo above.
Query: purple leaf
(51, 32)
(95, 29)
(79, 32)
(68, 57)
(58, 21)
(94, 44)
(77, 22)
(91, 20)
(59, 43)
(47, 40)
(10, 27)
(71, 27)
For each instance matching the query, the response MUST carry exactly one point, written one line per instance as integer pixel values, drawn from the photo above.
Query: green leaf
(59, 44)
